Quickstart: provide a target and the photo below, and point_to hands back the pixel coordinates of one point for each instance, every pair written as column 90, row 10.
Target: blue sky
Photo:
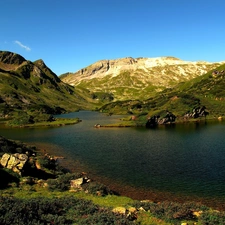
column 72, row 34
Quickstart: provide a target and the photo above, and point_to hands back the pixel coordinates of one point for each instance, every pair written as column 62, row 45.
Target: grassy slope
column 207, row 90
column 33, row 89
column 129, row 90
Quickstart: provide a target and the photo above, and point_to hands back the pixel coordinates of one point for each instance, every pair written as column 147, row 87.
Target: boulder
column 5, row 159
column 14, row 162
column 120, row 210
column 76, row 184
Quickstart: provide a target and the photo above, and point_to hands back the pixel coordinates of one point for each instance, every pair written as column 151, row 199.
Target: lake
column 180, row 162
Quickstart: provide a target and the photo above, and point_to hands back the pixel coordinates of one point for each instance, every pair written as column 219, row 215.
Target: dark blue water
column 180, row 160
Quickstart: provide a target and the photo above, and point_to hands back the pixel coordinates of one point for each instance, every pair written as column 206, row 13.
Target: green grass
column 58, row 122
column 160, row 213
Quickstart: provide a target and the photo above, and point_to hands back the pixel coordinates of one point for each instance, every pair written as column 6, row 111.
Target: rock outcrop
column 11, row 58
column 197, row 112
column 156, row 120
column 15, row 162
column 25, row 160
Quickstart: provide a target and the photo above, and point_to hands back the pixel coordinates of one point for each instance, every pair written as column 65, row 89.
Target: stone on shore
column 14, row 162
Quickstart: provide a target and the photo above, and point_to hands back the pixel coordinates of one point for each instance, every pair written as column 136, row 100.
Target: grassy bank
column 56, row 123
column 81, row 207
column 140, row 121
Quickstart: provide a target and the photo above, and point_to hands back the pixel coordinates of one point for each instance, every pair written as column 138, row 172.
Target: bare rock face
column 14, row 162
column 11, row 58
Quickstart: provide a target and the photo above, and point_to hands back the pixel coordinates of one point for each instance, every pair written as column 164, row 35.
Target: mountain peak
column 125, row 77
column 40, row 63
column 9, row 60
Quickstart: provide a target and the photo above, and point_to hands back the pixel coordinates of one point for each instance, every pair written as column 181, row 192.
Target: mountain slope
column 139, row 78
column 26, row 85
column 206, row 90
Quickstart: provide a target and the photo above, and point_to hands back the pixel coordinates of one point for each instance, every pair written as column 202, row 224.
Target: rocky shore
column 19, row 162
column 22, row 165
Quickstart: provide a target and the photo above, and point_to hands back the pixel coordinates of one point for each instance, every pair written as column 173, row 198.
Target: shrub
column 59, row 211
column 212, row 218
column 7, row 177
column 171, row 211
column 105, row 217
column 96, row 188
column 62, row 183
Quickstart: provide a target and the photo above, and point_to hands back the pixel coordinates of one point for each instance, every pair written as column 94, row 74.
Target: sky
column 72, row 34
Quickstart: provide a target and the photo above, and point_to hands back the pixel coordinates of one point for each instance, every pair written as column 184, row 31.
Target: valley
column 170, row 164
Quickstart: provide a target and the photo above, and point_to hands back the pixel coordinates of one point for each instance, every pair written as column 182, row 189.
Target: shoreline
column 125, row 124
column 57, row 123
column 123, row 189
column 130, row 191
column 140, row 193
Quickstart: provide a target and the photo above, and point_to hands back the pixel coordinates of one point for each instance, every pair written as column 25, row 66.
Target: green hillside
column 31, row 89
column 206, row 90
column 27, row 86
column 124, row 86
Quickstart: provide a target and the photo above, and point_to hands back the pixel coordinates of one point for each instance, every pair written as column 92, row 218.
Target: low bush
column 58, row 211
column 62, row 183
column 7, row 177
column 172, row 211
column 212, row 218
column 96, row 188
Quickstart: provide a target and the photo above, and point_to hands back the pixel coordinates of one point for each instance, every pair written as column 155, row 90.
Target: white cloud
column 22, row 46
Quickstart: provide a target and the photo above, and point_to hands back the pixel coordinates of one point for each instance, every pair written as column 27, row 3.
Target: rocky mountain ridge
column 26, row 85
column 135, row 75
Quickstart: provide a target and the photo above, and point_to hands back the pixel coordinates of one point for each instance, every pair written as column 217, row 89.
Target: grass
column 56, row 123
column 144, row 217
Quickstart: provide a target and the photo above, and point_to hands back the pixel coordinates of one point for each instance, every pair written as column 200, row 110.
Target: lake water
column 175, row 162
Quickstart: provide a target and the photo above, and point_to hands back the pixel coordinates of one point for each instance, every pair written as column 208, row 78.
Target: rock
column 196, row 113
column 76, row 184
column 197, row 213
column 14, row 162
column 27, row 180
column 22, row 159
column 132, row 209
column 120, row 210
column 5, row 159
column 11, row 58
column 38, row 165
column 155, row 120
column 147, row 200
column 142, row 209
column 132, row 213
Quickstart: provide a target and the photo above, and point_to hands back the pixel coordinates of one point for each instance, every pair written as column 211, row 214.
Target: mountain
column 136, row 78
column 134, row 86
column 32, row 86
column 206, row 90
